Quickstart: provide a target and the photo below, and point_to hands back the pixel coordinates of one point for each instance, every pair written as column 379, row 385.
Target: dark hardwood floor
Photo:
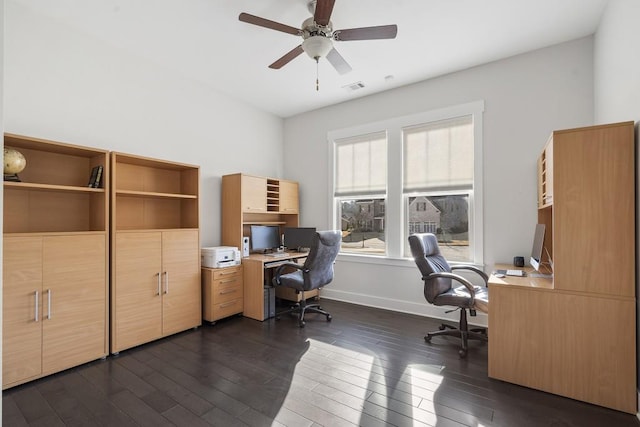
column 367, row 367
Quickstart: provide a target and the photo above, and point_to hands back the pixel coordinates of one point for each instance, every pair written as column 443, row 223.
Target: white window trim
column 394, row 209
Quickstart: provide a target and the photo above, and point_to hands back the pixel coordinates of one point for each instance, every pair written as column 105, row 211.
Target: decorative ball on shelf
column 14, row 163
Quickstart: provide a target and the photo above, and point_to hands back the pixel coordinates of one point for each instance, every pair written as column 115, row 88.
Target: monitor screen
column 299, row 238
column 264, row 238
column 538, row 244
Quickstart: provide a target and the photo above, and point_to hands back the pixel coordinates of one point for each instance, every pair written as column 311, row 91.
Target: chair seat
column 460, row 295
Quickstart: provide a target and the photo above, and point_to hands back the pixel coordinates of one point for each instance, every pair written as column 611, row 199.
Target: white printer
column 219, row 256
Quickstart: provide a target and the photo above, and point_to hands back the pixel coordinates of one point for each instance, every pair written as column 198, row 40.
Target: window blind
column 438, row 156
column 361, row 165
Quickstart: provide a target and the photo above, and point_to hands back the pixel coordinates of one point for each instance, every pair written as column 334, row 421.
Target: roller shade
column 361, row 165
column 438, row 156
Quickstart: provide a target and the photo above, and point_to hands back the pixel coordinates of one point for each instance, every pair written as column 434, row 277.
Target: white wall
column 617, row 83
column 63, row 85
column 526, row 97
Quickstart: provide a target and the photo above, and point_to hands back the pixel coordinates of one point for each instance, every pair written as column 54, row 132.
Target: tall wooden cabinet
column 55, row 258
column 155, row 267
column 575, row 334
column 254, row 200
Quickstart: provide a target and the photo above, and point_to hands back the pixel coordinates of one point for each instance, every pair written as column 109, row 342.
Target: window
column 438, row 182
column 360, row 192
column 413, row 174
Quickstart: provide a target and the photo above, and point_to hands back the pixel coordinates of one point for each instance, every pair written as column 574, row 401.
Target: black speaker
column 518, row 261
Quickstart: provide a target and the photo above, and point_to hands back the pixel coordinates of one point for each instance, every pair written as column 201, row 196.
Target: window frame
column 396, row 217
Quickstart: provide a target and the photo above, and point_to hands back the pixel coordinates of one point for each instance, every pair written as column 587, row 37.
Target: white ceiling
column 203, row 40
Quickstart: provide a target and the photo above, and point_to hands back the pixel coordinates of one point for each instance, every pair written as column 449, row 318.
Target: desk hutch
column 575, row 334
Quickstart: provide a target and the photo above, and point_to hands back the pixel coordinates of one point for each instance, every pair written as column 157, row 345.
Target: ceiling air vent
column 353, row 86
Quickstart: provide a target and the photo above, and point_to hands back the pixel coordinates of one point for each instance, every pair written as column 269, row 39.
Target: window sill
column 386, row 260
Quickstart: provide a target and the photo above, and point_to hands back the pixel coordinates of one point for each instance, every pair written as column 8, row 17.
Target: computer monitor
column 299, row 238
column 264, row 238
column 538, row 245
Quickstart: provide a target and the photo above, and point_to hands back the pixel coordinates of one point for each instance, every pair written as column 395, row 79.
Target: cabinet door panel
column 181, row 281
column 21, row 332
column 254, row 194
column 74, row 324
column 138, row 306
column 288, row 197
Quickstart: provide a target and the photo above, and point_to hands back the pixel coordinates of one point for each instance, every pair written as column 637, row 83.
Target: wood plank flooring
column 367, row 367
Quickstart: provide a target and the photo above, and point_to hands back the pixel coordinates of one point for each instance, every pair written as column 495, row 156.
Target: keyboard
column 518, row 273
column 277, row 254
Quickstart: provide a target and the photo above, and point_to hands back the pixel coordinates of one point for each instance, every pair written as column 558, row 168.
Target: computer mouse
column 499, row 275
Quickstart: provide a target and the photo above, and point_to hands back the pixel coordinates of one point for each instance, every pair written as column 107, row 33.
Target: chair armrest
column 467, row 284
column 281, row 267
column 476, row 270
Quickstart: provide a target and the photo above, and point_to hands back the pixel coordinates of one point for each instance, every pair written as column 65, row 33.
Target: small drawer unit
column 222, row 292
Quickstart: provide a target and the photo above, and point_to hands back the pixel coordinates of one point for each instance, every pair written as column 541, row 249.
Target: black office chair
column 439, row 288
column 316, row 272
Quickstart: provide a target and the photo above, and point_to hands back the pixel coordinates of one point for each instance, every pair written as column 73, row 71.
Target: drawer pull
column 37, row 306
column 227, row 304
column 228, row 281
column 228, row 291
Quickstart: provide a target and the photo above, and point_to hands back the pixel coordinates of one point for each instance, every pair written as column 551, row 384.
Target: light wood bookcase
column 575, row 334
column 155, row 261
column 55, row 254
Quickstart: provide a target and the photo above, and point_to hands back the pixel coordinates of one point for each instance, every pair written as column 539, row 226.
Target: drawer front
column 228, row 272
column 224, row 292
column 228, row 308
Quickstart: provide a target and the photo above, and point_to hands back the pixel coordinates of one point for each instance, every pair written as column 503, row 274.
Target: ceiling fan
column 318, row 35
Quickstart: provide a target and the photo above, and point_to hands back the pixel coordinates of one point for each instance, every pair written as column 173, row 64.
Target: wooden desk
column 254, row 267
column 575, row 344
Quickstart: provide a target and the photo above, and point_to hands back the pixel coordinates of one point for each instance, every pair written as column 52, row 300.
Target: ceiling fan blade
column 366, row 33
column 323, row 12
column 262, row 22
column 293, row 53
column 338, row 62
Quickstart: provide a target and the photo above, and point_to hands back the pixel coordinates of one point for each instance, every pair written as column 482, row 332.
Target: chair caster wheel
column 441, row 327
column 462, row 353
column 328, row 318
column 427, row 338
column 301, row 324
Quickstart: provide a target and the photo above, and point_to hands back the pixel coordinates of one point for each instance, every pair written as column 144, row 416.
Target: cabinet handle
column 228, row 281
column 49, row 304
column 159, row 283
column 37, row 305
column 227, row 304
column 228, row 291
column 166, row 282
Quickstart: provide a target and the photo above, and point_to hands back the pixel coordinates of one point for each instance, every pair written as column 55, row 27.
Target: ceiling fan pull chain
column 317, row 77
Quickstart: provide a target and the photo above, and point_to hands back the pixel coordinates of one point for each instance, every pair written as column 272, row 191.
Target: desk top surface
column 526, row 281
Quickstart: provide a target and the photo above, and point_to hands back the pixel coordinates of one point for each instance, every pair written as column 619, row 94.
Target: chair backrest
column 318, row 266
column 427, row 256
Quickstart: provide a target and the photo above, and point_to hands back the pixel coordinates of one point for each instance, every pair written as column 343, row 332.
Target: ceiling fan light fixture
column 317, row 46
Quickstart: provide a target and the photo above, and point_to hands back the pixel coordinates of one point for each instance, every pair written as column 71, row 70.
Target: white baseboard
column 420, row 308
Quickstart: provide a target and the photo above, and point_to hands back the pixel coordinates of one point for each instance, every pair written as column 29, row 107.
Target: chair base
column 302, row 308
column 463, row 332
